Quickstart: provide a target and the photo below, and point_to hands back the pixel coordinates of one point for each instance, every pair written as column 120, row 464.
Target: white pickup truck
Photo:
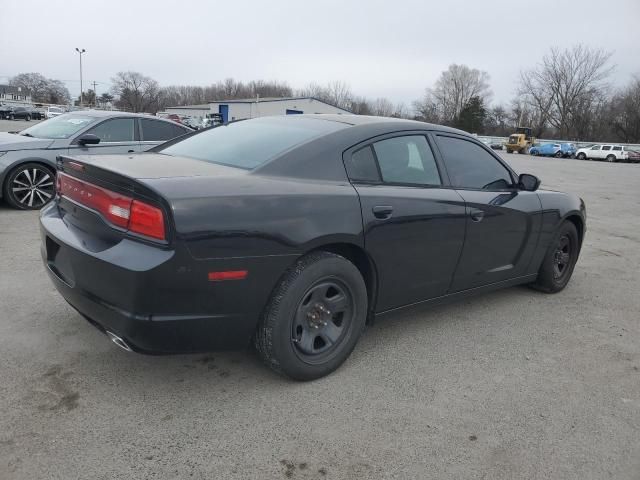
column 610, row 153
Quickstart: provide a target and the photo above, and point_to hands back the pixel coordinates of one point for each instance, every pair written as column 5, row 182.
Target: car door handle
column 382, row 211
column 130, row 151
column 476, row 215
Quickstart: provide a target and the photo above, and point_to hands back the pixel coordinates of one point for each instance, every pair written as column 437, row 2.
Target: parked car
column 5, row 112
column 53, row 112
column 495, row 145
column 296, row 231
column 24, row 113
column 633, row 156
column 558, row 150
column 28, row 159
column 610, row 153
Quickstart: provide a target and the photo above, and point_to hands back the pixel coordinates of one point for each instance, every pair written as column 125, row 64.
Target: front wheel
column 29, row 186
column 559, row 155
column 581, row 156
column 28, row 118
column 562, row 255
column 314, row 317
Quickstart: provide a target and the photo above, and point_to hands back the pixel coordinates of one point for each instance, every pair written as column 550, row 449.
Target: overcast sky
column 390, row 48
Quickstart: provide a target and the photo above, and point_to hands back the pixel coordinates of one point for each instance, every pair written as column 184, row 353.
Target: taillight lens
column 120, row 210
column 146, row 220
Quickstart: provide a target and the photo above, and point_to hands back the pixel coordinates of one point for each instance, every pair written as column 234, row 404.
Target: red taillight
column 228, row 275
column 146, row 220
column 120, row 210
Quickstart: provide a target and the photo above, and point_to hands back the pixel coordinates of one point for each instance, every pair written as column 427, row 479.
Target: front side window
column 471, row 166
column 595, row 147
column 159, row 131
column 407, row 160
column 116, row 130
column 607, row 147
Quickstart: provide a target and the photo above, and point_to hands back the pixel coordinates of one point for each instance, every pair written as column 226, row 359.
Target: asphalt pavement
column 513, row 384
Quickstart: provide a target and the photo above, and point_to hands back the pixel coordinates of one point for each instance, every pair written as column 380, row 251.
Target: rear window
column 250, row 143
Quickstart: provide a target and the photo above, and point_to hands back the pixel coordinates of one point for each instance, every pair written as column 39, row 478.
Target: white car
column 610, row 153
column 53, row 112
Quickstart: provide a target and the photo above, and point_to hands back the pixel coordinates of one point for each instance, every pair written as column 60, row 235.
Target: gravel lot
column 514, row 384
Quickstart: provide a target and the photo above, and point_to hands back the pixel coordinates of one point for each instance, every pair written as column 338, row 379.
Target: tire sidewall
column 546, row 278
column 288, row 297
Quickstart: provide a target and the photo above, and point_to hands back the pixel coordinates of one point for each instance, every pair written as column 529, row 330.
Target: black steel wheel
column 323, row 316
column 29, row 186
column 560, row 260
column 314, row 318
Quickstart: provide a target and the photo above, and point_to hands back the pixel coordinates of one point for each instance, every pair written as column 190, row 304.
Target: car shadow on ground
column 244, row 369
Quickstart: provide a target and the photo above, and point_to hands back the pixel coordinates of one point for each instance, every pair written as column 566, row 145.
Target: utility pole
column 80, row 52
column 95, row 94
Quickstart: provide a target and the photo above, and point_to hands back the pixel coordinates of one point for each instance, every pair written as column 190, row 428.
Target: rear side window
column 606, row 147
column 159, row 131
column 116, row 130
column 250, row 143
column 617, row 148
column 407, row 160
column 471, row 166
column 362, row 166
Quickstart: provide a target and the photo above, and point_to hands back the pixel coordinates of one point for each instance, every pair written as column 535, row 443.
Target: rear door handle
column 382, row 211
column 476, row 215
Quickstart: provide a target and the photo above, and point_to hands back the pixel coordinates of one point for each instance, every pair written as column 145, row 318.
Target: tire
column 611, row 158
column 559, row 155
column 28, row 118
column 298, row 335
column 581, row 156
column 18, row 191
column 564, row 250
column 12, row 117
column 534, row 153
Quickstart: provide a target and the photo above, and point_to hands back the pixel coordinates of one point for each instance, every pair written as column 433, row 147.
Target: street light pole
column 80, row 52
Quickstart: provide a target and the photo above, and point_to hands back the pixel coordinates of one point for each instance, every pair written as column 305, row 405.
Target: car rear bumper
column 158, row 301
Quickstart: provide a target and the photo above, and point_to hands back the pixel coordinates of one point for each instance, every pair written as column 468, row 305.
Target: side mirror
column 88, row 139
column 527, row 182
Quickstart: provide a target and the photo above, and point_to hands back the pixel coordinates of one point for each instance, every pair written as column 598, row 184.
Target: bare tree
column 42, row 89
column 565, row 85
column 624, row 113
column 136, row 92
column 453, row 90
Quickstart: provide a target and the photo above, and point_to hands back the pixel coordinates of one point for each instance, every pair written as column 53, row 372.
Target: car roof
column 399, row 123
column 112, row 113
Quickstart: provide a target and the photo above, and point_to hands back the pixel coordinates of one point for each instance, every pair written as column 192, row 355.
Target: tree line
column 567, row 95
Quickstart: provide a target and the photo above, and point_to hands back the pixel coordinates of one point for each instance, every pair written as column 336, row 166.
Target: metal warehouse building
column 258, row 107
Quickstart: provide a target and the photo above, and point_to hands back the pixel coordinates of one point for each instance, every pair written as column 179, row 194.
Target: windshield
column 62, row 126
column 250, row 143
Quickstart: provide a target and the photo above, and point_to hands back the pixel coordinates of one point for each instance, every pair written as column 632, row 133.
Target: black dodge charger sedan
column 294, row 232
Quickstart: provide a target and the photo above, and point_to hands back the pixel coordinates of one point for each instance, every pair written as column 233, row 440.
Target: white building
column 11, row 95
column 258, row 107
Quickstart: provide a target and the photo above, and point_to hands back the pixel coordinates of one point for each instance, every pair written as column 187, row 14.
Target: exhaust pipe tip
column 119, row 341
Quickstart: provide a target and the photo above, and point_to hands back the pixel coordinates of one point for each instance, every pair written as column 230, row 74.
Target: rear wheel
column 611, row 158
column 28, row 118
column 314, row 317
column 29, row 186
column 562, row 255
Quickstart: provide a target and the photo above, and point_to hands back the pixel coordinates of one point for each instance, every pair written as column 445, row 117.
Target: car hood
column 11, row 141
